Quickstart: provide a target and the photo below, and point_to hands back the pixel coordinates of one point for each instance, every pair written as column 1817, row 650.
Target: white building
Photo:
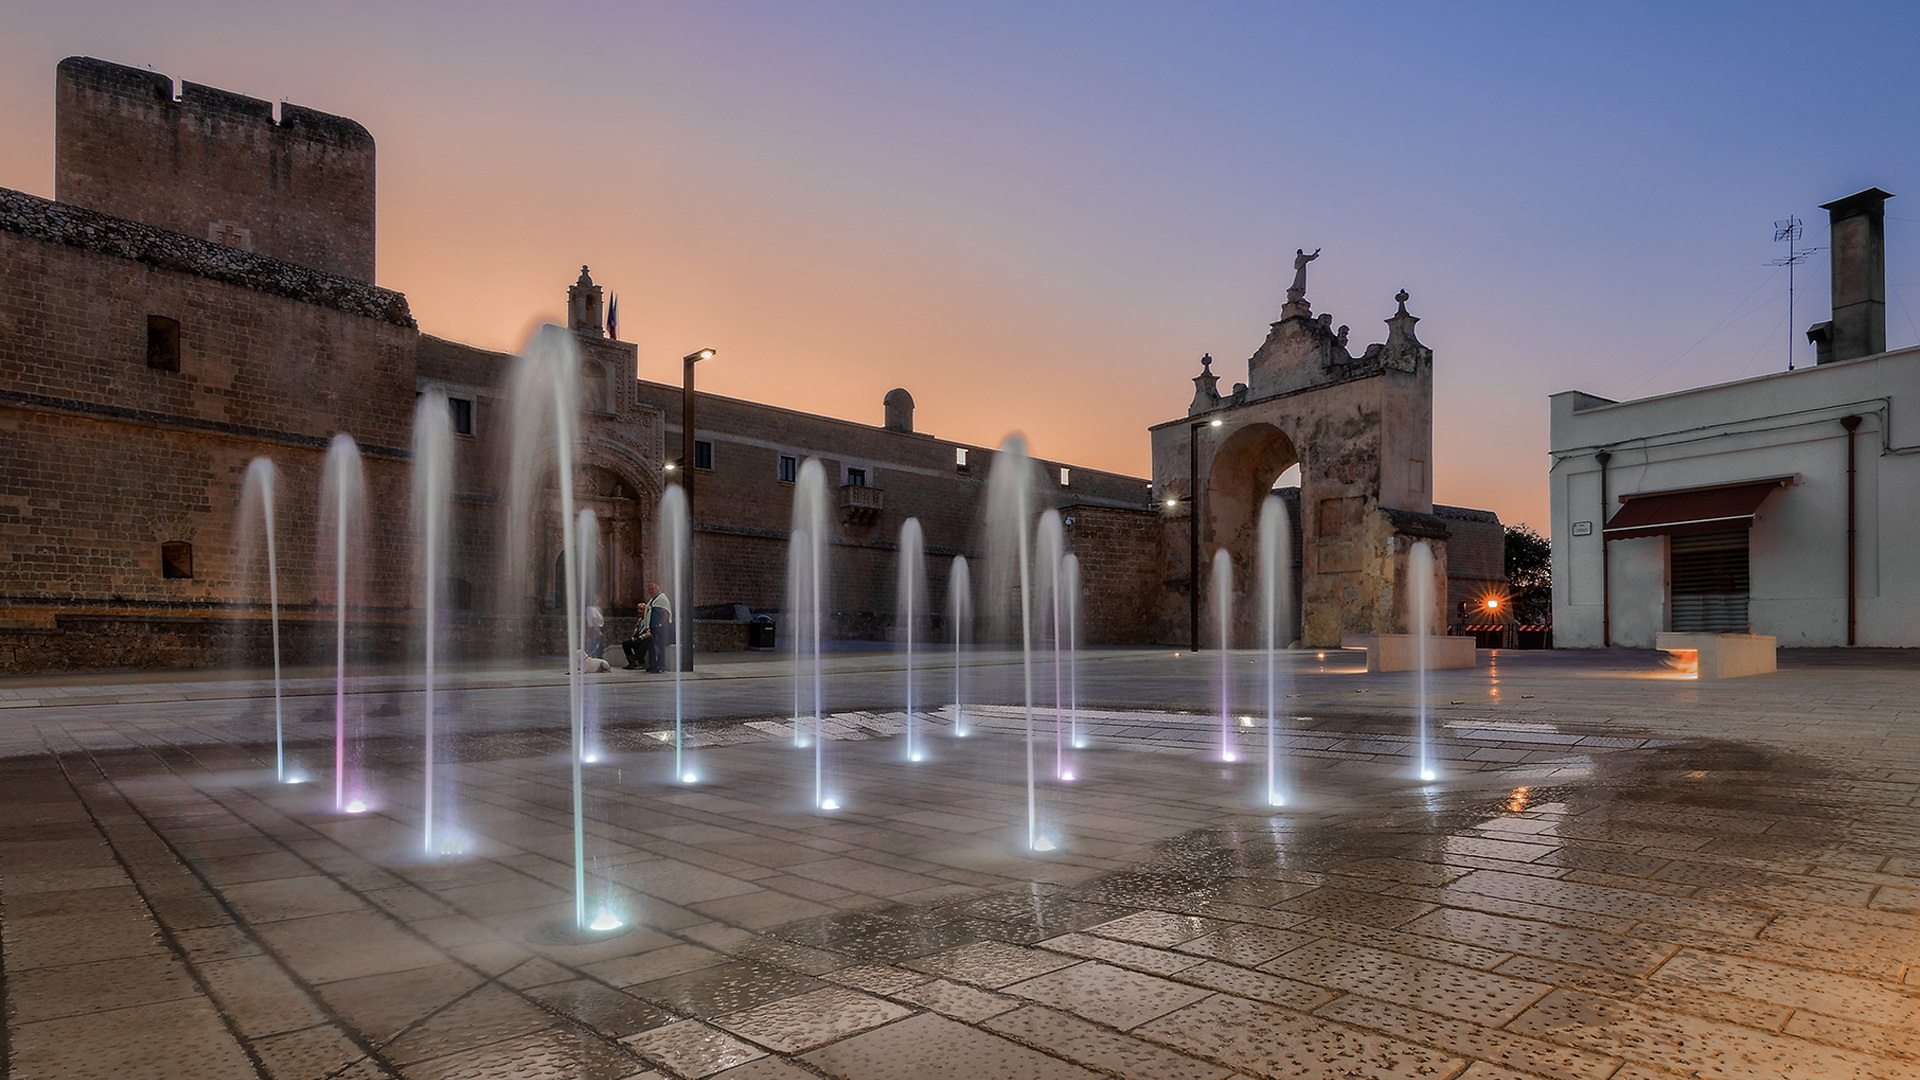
column 1788, row 503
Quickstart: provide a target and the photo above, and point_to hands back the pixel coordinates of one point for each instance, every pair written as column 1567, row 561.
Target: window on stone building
column 960, row 458
column 702, row 454
column 176, row 559
column 789, row 468
column 1066, row 476
column 856, row 478
column 462, row 410
column 163, row 343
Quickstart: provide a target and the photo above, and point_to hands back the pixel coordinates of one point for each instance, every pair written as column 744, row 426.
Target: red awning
column 1693, row 511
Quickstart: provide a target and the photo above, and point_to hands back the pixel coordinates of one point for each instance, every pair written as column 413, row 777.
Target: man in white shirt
column 654, row 633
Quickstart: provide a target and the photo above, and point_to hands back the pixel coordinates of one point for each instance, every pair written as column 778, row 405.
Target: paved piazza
column 1618, row 873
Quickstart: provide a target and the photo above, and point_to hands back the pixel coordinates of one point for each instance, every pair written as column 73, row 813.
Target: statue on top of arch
column 1297, row 292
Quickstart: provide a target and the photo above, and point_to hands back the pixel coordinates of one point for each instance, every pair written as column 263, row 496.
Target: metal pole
column 683, row 605
column 1852, row 424
column 1193, row 536
column 1606, row 571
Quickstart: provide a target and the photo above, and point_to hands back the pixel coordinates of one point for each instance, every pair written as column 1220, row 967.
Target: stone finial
column 1403, row 348
column 1206, row 392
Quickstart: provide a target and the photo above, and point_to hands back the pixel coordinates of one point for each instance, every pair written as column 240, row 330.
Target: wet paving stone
column 725, row 988
column 608, row 1011
column 795, row 1024
column 1462, row 993
column 691, row 1048
column 990, row 964
column 930, row 1047
column 1081, row 1041
column 1269, row 1041
column 1112, row 996
column 1627, row 893
column 1677, row 1041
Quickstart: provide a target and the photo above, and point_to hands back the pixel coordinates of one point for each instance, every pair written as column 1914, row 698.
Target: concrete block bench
column 1401, row 652
column 1721, row 656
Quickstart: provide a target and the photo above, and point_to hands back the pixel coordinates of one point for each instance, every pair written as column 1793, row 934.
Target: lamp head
column 702, row 354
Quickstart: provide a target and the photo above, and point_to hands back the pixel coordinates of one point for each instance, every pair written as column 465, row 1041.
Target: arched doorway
column 616, row 504
column 1250, row 465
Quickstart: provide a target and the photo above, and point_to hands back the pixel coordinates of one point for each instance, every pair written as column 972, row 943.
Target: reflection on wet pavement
column 1636, row 897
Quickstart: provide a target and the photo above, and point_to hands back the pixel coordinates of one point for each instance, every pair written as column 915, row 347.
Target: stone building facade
column 200, row 294
column 1360, row 431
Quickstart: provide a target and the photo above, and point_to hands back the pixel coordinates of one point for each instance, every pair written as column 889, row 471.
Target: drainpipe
column 1852, row 424
column 1606, row 571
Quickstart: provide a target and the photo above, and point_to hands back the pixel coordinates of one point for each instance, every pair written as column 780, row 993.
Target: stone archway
column 1241, row 477
column 623, row 515
column 1361, row 427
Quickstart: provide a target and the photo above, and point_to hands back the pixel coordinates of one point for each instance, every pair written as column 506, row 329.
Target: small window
column 462, row 410
column 163, row 344
column 789, row 468
column 856, row 478
column 1066, row 477
column 960, row 459
column 176, row 559
column 702, row 454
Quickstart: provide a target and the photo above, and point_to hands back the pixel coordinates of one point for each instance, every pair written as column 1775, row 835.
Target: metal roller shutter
column 1709, row 582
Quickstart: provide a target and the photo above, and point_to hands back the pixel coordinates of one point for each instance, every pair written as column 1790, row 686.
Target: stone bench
column 1720, row 656
column 1400, row 652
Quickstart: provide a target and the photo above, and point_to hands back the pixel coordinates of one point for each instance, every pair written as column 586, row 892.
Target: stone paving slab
column 1648, row 878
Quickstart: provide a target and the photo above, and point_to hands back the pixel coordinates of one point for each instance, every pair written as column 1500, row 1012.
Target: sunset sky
column 1037, row 215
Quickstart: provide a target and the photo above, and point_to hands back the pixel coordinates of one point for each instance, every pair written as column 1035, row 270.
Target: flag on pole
column 613, row 317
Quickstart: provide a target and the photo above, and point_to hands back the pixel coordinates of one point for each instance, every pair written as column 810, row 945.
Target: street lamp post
column 683, row 633
column 1193, row 529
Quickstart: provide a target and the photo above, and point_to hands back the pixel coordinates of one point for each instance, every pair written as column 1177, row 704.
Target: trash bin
column 760, row 632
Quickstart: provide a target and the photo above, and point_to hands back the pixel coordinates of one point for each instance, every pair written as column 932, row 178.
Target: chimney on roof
column 899, row 405
column 1858, row 243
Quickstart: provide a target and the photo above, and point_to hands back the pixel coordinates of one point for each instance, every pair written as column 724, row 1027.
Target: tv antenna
column 1789, row 232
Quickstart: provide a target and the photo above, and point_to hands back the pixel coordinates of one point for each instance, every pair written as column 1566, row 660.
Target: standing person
column 655, row 632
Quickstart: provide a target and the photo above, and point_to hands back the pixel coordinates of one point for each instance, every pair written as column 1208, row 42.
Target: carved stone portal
column 1361, row 430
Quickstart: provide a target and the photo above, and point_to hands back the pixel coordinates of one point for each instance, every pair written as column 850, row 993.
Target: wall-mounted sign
column 1583, row 528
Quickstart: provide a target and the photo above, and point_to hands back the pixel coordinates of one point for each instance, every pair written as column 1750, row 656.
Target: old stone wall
column 108, row 457
column 743, row 509
column 1476, row 561
column 1120, row 567
column 215, row 165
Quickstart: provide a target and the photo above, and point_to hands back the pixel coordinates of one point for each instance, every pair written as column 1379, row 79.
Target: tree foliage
column 1529, row 561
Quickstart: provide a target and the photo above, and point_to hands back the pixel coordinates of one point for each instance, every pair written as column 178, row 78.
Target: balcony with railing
column 860, row 505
